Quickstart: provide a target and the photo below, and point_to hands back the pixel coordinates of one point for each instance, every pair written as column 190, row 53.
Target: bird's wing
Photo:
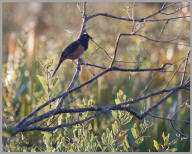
column 67, row 51
column 70, row 49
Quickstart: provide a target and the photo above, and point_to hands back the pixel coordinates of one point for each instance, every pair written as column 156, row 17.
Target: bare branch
column 85, row 19
column 183, row 135
column 137, row 20
column 177, row 10
column 174, row 73
column 65, row 94
column 76, row 75
column 150, row 39
column 185, row 67
column 78, row 6
column 115, row 52
column 24, row 126
column 27, row 123
column 170, row 119
column 102, row 49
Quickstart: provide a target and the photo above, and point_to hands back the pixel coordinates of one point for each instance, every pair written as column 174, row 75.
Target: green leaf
column 171, row 150
column 140, row 140
column 120, row 115
column 33, row 150
column 108, row 133
column 117, row 101
column 134, row 133
column 115, row 127
column 124, row 97
column 42, row 80
column 92, row 138
column 103, row 138
column 121, row 96
column 64, row 143
column 60, row 119
column 47, row 139
column 114, row 114
column 128, row 119
column 90, row 102
column 156, row 145
column 126, row 144
column 165, row 139
column 120, row 93
column 47, row 135
column 54, row 81
column 163, row 135
column 71, row 150
column 56, row 138
column 49, row 62
column 90, row 127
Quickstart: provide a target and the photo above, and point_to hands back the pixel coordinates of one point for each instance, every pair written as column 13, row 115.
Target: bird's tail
column 56, row 69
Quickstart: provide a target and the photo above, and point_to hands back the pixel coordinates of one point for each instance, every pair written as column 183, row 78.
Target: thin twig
column 115, row 52
column 177, row 10
column 133, row 18
column 172, row 76
column 46, row 115
column 183, row 135
column 130, row 34
column 170, row 119
column 76, row 75
column 99, row 109
column 162, row 30
column 85, row 19
column 101, row 48
column 137, row 20
column 185, row 67
column 88, row 82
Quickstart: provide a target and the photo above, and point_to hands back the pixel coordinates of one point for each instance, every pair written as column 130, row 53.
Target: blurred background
column 34, row 35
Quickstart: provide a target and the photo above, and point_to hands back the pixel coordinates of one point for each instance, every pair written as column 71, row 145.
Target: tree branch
column 24, row 126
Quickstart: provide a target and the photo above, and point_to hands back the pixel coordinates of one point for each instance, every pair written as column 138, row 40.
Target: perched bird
column 74, row 50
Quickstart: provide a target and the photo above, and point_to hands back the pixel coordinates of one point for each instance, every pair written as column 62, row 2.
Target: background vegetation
column 34, row 35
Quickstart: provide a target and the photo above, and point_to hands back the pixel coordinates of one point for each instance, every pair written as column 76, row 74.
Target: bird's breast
column 77, row 53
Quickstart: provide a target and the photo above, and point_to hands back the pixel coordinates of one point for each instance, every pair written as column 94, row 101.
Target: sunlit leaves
column 43, row 81
column 134, row 133
column 165, row 139
column 156, row 145
column 47, row 139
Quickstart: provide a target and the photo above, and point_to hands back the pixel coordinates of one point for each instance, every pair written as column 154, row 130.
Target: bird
column 74, row 50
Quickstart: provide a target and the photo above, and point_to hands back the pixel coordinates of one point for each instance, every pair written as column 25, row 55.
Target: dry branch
column 28, row 120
